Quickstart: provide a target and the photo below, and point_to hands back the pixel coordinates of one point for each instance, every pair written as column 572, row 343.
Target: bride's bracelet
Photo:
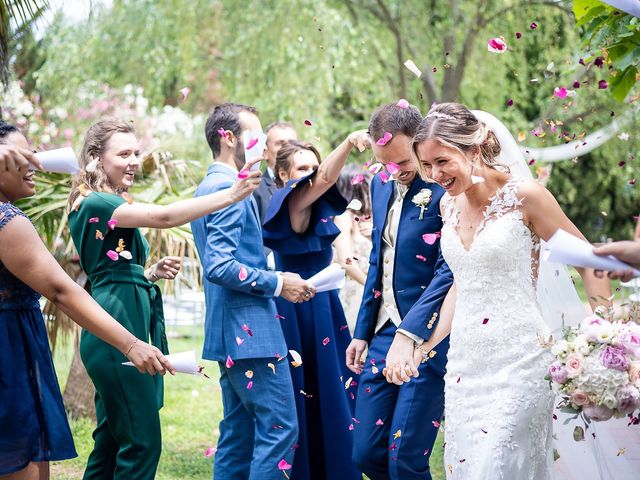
column 130, row 347
column 426, row 354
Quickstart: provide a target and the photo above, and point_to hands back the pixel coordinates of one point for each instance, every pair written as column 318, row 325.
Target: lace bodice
column 14, row 294
column 498, row 405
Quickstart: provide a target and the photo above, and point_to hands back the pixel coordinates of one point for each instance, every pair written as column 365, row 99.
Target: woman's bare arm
column 344, row 252
column 26, row 257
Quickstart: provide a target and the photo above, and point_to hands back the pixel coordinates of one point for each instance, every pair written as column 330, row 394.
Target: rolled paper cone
column 183, row 362
column 60, row 160
column 330, row 278
column 568, row 249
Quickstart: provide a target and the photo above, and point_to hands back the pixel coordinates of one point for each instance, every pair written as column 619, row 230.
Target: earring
column 92, row 165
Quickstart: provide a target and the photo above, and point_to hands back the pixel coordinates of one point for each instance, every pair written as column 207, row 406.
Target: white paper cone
column 257, row 150
column 60, row 160
column 565, row 248
column 183, row 362
column 330, row 278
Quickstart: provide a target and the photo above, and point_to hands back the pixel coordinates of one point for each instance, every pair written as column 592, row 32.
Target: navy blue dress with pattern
column 317, row 329
column 33, row 423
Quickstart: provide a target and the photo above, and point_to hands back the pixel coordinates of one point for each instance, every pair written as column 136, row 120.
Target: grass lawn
column 190, row 417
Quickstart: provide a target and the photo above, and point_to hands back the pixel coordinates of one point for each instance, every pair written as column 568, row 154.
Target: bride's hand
column 400, row 363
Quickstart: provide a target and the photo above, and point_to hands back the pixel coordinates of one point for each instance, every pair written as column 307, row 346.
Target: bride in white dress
column 498, row 407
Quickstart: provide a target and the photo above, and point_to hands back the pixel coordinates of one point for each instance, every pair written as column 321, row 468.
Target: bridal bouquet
column 597, row 368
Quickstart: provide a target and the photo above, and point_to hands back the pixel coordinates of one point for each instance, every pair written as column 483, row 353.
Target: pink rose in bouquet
column 628, row 398
column 599, row 413
column 629, row 339
column 574, row 364
column 579, row 398
column 558, row 372
column 615, row 359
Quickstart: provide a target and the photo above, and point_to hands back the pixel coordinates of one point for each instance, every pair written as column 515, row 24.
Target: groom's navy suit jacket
column 419, row 286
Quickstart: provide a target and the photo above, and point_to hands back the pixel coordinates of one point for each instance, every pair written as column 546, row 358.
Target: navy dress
column 33, row 423
column 317, row 329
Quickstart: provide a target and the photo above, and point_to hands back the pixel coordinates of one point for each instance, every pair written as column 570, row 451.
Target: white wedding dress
column 498, row 406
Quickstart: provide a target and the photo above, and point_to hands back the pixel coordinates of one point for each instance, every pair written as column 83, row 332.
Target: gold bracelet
column 130, row 347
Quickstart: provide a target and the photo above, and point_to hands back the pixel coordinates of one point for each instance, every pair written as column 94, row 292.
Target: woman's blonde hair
column 454, row 126
column 95, row 141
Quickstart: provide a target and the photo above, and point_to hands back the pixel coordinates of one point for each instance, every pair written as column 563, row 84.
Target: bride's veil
column 598, row 456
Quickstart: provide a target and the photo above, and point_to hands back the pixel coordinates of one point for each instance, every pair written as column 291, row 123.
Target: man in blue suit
column 242, row 331
column 396, row 426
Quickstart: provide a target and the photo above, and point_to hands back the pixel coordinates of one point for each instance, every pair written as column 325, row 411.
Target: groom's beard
column 239, row 155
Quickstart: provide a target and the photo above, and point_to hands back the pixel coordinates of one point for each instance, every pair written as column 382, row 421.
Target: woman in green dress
column 104, row 225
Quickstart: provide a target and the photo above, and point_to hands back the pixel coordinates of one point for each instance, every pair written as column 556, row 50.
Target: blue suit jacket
column 228, row 240
column 419, row 286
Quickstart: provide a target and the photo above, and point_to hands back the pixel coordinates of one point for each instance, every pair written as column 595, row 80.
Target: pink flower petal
column 308, row 123
column 242, row 275
column 279, row 317
column 392, row 168
column 436, row 423
column 185, row 92
column 113, row 255
column 485, row 321
column 497, row 45
column 252, row 143
column 602, row 84
column 421, row 257
column 402, row 103
column 229, row 363
column 222, row 132
column 239, row 341
column 384, row 177
column 325, row 341
column 210, row 451
column 533, row 25
column 112, row 223
column 357, row 178
column 351, row 427
column 248, row 330
column 94, row 220
column 560, row 92
column 431, row 238
column 283, row 465
column 249, row 385
column 375, row 168
column 242, row 174
column 379, row 422
column 384, row 139
column 376, row 293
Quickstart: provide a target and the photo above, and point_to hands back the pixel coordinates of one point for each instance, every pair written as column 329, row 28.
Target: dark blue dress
column 33, row 423
column 316, row 329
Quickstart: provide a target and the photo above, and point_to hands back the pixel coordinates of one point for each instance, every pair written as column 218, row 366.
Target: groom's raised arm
column 417, row 320
column 224, row 230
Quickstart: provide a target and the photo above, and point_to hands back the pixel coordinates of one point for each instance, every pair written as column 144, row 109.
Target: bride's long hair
column 454, row 126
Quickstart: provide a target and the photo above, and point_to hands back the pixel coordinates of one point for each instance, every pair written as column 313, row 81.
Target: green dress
column 127, row 436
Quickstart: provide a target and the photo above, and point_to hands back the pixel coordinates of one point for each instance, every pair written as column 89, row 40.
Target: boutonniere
column 422, row 199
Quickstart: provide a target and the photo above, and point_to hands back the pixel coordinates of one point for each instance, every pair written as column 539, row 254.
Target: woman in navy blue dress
column 299, row 229
column 33, row 422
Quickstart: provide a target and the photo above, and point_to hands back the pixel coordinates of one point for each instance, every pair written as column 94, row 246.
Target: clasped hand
column 166, row 268
column 402, row 360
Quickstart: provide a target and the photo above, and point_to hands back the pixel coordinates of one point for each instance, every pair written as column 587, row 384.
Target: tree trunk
column 79, row 391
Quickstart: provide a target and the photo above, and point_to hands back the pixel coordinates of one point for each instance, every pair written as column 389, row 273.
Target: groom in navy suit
column 242, row 329
column 396, row 426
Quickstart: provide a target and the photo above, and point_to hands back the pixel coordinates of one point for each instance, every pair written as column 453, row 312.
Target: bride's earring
column 92, row 165
column 475, row 179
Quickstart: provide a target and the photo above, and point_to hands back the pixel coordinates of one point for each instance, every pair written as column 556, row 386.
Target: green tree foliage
column 615, row 35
